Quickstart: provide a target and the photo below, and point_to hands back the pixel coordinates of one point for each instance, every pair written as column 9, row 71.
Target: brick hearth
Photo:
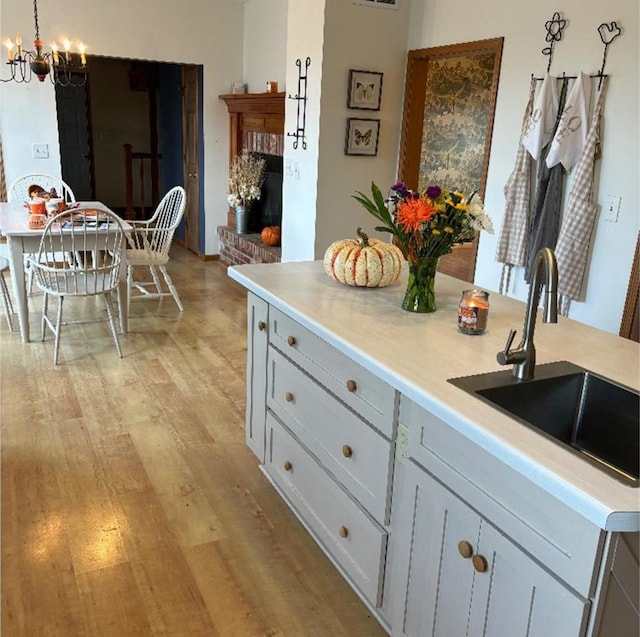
column 244, row 248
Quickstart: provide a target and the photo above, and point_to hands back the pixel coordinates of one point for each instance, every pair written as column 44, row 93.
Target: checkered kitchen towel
column 578, row 218
column 517, row 193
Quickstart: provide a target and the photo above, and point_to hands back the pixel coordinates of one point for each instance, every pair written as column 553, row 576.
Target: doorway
column 74, row 132
column 449, row 104
column 139, row 103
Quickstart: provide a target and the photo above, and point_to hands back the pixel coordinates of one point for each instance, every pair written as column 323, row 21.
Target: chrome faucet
column 523, row 357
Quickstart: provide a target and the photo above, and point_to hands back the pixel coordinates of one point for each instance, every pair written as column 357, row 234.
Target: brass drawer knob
column 479, row 563
column 352, row 385
column 287, row 465
column 347, row 451
column 292, row 340
column 262, row 326
column 465, row 549
column 343, row 531
column 289, row 397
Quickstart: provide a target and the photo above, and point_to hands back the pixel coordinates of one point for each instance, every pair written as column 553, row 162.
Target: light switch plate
column 612, row 208
column 40, row 151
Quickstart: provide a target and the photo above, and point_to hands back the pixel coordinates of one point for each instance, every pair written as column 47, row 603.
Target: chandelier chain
column 35, row 18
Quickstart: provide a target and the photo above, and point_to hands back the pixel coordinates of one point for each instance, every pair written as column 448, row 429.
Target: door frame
column 200, row 225
column 462, row 261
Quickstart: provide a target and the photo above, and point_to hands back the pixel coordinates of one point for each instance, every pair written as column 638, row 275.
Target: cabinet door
column 516, row 596
column 464, row 578
column 257, row 345
column 439, row 579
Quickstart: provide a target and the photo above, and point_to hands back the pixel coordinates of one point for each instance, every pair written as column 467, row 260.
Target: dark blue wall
column 170, row 129
column 171, row 139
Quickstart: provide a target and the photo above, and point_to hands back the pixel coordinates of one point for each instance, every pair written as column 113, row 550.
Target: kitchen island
column 419, row 492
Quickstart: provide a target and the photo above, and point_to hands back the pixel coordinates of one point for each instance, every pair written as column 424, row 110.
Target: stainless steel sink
column 588, row 414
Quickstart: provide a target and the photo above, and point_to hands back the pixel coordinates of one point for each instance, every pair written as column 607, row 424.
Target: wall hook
column 608, row 33
column 555, row 28
column 301, row 98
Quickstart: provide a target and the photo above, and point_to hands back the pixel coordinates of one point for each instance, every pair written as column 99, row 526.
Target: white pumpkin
column 363, row 262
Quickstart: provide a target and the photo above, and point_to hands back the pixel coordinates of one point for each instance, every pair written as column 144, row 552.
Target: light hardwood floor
column 130, row 503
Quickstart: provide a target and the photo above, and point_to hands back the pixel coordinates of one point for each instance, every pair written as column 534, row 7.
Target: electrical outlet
column 296, row 170
column 40, row 151
column 288, row 167
column 612, row 208
column 402, row 443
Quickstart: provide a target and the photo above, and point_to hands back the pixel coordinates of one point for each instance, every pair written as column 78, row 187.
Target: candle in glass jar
column 473, row 312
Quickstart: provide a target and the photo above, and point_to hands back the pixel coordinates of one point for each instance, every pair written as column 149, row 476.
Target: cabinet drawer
column 552, row 532
column 355, row 453
column 352, row 539
column 364, row 392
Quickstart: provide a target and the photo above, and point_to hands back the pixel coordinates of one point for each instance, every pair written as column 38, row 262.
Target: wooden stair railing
column 153, row 160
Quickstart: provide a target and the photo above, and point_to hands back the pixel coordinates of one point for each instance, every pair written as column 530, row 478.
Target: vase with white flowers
column 245, row 182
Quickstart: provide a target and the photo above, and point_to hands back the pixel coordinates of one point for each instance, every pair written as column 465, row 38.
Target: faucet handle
column 509, row 343
column 503, row 356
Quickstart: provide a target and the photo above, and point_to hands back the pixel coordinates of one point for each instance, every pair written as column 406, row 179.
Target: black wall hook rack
column 608, row 32
column 555, row 30
column 301, row 98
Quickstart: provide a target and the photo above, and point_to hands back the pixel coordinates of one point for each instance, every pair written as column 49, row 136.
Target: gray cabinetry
column 463, row 577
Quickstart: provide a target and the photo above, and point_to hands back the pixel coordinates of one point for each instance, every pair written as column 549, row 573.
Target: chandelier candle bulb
column 83, row 58
column 473, row 312
column 19, row 44
column 54, row 50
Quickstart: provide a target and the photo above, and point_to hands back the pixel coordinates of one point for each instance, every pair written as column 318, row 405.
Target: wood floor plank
column 111, row 603
column 131, row 505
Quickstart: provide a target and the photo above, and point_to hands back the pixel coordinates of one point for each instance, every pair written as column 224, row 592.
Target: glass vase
column 420, row 295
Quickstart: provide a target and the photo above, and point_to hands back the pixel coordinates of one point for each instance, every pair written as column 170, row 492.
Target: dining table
column 23, row 240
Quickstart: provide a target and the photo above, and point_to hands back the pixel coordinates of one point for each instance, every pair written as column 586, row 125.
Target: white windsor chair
column 18, row 190
column 149, row 245
column 19, row 193
column 82, row 232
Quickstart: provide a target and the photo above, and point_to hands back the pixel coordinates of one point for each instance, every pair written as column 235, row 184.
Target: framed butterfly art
column 362, row 136
column 365, row 90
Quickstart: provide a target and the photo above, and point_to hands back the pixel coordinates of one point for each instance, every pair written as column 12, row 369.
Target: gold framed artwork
column 449, row 106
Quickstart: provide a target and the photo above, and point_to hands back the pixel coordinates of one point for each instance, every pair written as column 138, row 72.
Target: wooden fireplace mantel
column 256, row 112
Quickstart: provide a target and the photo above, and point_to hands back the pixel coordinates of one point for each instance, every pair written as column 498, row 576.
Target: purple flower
column 401, row 190
column 433, row 192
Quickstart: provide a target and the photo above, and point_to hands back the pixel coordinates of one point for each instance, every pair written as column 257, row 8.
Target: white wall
column 305, row 38
column 194, row 32
column 318, row 207
column 522, row 25
column 361, row 38
column 265, row 43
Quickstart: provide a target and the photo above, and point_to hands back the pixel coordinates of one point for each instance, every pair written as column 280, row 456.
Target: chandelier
column 60, row 66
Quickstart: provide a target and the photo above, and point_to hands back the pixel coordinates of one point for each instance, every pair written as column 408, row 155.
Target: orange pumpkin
column 271, row 235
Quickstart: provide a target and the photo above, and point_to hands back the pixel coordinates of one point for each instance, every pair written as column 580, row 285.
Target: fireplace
column 256, row 122
column 267, row 211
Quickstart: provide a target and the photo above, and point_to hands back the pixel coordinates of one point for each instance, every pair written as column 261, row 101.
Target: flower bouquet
column 426, row 225
column 245, row 182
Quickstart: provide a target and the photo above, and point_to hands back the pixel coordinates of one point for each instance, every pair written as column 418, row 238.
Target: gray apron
column 547, row 205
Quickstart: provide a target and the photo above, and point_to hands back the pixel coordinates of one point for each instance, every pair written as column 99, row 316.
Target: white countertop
column 417, row 353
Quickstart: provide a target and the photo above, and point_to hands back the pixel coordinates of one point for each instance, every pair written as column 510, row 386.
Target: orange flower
column 411, row 213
